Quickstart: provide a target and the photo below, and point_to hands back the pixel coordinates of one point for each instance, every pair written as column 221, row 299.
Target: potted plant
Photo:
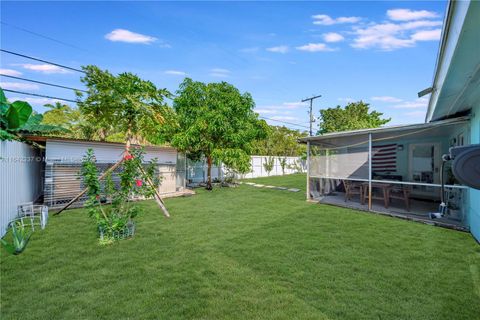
column 116, row 221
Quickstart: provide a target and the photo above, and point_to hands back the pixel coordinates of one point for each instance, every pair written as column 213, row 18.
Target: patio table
column 384, row 187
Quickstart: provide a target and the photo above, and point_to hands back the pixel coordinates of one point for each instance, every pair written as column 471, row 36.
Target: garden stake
column 157, row 197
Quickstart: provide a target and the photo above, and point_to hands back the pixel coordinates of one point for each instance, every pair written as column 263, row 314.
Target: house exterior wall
column 474, row 195
column 21, row 178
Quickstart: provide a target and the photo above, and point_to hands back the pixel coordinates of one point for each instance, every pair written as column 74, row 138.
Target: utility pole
column 311, row 114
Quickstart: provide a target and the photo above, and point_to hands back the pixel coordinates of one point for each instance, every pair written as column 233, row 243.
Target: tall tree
column 355, row 115
column 280, row 141
column 123, row 103
column 61, row 114
column 216, row 121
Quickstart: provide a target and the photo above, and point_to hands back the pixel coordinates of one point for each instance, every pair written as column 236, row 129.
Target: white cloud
column 10, row 72
column 407, row 14
column 285, row 106
column 35, row 101
column 315, row 47
column 19, row 86
column 415, row 104
column 284, row 109
column 175, row 72
column 294, row 105
column 278, row 49
column 122, row 35
column 287, row 118
column 325, row 20
column 390, row 36
column 45, row 68
column 219, row 73
column 333, row 37
column 266, row 111
column 428, row 35
column 386, row 99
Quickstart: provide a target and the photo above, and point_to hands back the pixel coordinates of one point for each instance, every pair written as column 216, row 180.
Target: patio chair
column 352, row 188
column 33, row 213
column 401, row 193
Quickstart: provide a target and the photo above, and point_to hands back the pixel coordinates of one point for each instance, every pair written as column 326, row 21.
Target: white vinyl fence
column 197, row 171
column 20, row 178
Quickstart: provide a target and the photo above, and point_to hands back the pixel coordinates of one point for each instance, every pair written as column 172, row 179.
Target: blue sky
column 280, row 52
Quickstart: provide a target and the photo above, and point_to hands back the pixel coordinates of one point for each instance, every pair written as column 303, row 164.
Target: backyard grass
column 245, row 253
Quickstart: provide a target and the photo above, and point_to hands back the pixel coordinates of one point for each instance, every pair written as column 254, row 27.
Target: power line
column 39, row 95
column 41, row 35
column 41, row 82
column 40, row 60
column 290, row 123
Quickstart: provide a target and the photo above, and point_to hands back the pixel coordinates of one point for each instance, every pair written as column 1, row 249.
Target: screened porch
column 393, row 171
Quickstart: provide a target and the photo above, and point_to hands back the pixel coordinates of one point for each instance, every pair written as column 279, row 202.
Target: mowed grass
column 245, row 253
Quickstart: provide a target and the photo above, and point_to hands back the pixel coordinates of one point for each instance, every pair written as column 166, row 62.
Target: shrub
column 113, row 219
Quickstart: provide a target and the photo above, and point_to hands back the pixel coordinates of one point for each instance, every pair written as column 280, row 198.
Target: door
column 424, row 168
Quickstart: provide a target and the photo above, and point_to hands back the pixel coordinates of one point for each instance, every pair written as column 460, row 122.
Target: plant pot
column 127, row 232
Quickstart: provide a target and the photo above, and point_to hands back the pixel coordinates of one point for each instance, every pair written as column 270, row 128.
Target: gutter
column 440, row 55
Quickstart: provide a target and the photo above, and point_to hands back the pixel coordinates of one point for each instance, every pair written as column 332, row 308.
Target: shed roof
column 79, row 141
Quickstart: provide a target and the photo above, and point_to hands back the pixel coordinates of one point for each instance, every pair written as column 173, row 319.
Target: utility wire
column 41, row 35
column 41, row 82
column 40, row 60
column 39, row 95
column 290, row 123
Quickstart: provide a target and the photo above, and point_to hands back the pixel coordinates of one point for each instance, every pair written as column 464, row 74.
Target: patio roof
column 437, row 128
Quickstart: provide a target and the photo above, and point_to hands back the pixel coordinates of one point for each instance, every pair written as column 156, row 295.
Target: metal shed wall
column 20, row 178
column 73, row 151
column 63, row 164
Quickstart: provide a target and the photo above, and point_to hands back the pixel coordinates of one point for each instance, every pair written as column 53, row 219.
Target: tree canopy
column 355, row 115
column 123, row 104
column 280, row 141
column 216, row 121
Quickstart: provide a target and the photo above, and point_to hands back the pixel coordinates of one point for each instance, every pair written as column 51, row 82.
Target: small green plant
column 283, row 164
column 268, row 164
column 20, row 238
column 113, row 220
column 297, row 166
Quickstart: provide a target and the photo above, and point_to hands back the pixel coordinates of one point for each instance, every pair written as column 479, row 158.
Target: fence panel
column 20, row 178
column 197, row 171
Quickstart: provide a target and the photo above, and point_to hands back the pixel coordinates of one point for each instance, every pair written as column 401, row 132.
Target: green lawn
column 245, row 253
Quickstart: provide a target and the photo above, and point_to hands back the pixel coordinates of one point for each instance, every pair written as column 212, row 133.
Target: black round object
column 466, row 167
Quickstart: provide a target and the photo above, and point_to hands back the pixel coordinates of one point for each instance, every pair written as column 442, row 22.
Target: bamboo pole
column 157, row 197
column 86, row 189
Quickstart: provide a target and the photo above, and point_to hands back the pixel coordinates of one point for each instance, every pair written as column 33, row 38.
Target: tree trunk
column 209, row 173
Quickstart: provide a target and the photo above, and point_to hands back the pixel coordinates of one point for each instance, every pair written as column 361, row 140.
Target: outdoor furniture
column 401, row 193
column 352, row 188
column 384, row 194
column 32, row 213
